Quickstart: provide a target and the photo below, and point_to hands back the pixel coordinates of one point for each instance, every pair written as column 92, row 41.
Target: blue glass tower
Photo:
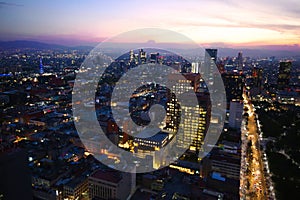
column 41, row 66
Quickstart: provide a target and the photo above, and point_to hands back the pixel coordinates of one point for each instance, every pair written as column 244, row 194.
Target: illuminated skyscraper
column 41, row 66
column 196, row 116
column 284, row 75
column 195, row 67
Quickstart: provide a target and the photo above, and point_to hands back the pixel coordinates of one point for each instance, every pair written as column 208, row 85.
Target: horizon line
column 91, row 43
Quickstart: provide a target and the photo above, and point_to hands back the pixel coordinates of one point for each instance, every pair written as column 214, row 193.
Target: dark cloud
column 2, row 4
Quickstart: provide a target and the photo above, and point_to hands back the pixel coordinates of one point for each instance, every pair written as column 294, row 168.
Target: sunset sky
column 227, row 22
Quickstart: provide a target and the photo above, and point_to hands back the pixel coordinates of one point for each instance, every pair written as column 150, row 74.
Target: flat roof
column 159, row 137
column 110, row 176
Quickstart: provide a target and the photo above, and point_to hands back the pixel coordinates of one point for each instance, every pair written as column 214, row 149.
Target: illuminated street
column 253, row 180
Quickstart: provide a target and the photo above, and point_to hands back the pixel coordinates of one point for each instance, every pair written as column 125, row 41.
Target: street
column 253, row 180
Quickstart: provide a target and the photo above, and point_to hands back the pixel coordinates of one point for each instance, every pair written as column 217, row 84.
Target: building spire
column 41, row 66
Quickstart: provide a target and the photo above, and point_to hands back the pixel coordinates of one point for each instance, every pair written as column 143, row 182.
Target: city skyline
column 228, row 23
column 38, row 118
column 152, row 100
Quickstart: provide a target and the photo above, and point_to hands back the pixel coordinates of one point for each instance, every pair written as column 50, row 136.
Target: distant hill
column 260, row 51
column 23, row 44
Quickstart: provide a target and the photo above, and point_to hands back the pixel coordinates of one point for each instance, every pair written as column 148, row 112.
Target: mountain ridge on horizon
column 260, row 51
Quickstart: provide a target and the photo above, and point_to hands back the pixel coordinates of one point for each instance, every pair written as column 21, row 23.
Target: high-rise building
column 257, row 76
column 142, row 56
column 180, row 85
column 154, row 57
column 210, row 60
column 284, row 75
column 131, row 56
column 240, row 61
column 195, row 67
column 235, row 114
column 196, row 116
column 148, row 148
column 233, row 83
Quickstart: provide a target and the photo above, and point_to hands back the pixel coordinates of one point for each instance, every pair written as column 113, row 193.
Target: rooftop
column 110, row 176
column 159, row 137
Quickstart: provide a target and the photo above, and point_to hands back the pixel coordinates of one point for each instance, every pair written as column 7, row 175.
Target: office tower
column 257, row 81
column 180, row 82
column 195, row 67
column 131, row 58
column 235, row 114
column 240, row 61
column 284, row 75
column 148, row 148
column 41, row 66
column 142, row 56
column 196, row 119
column 154, row 57
column 257, row 76
column 210, row 60
column 233, row 83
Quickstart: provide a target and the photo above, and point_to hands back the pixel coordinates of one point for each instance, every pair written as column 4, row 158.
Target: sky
column 207, row 22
